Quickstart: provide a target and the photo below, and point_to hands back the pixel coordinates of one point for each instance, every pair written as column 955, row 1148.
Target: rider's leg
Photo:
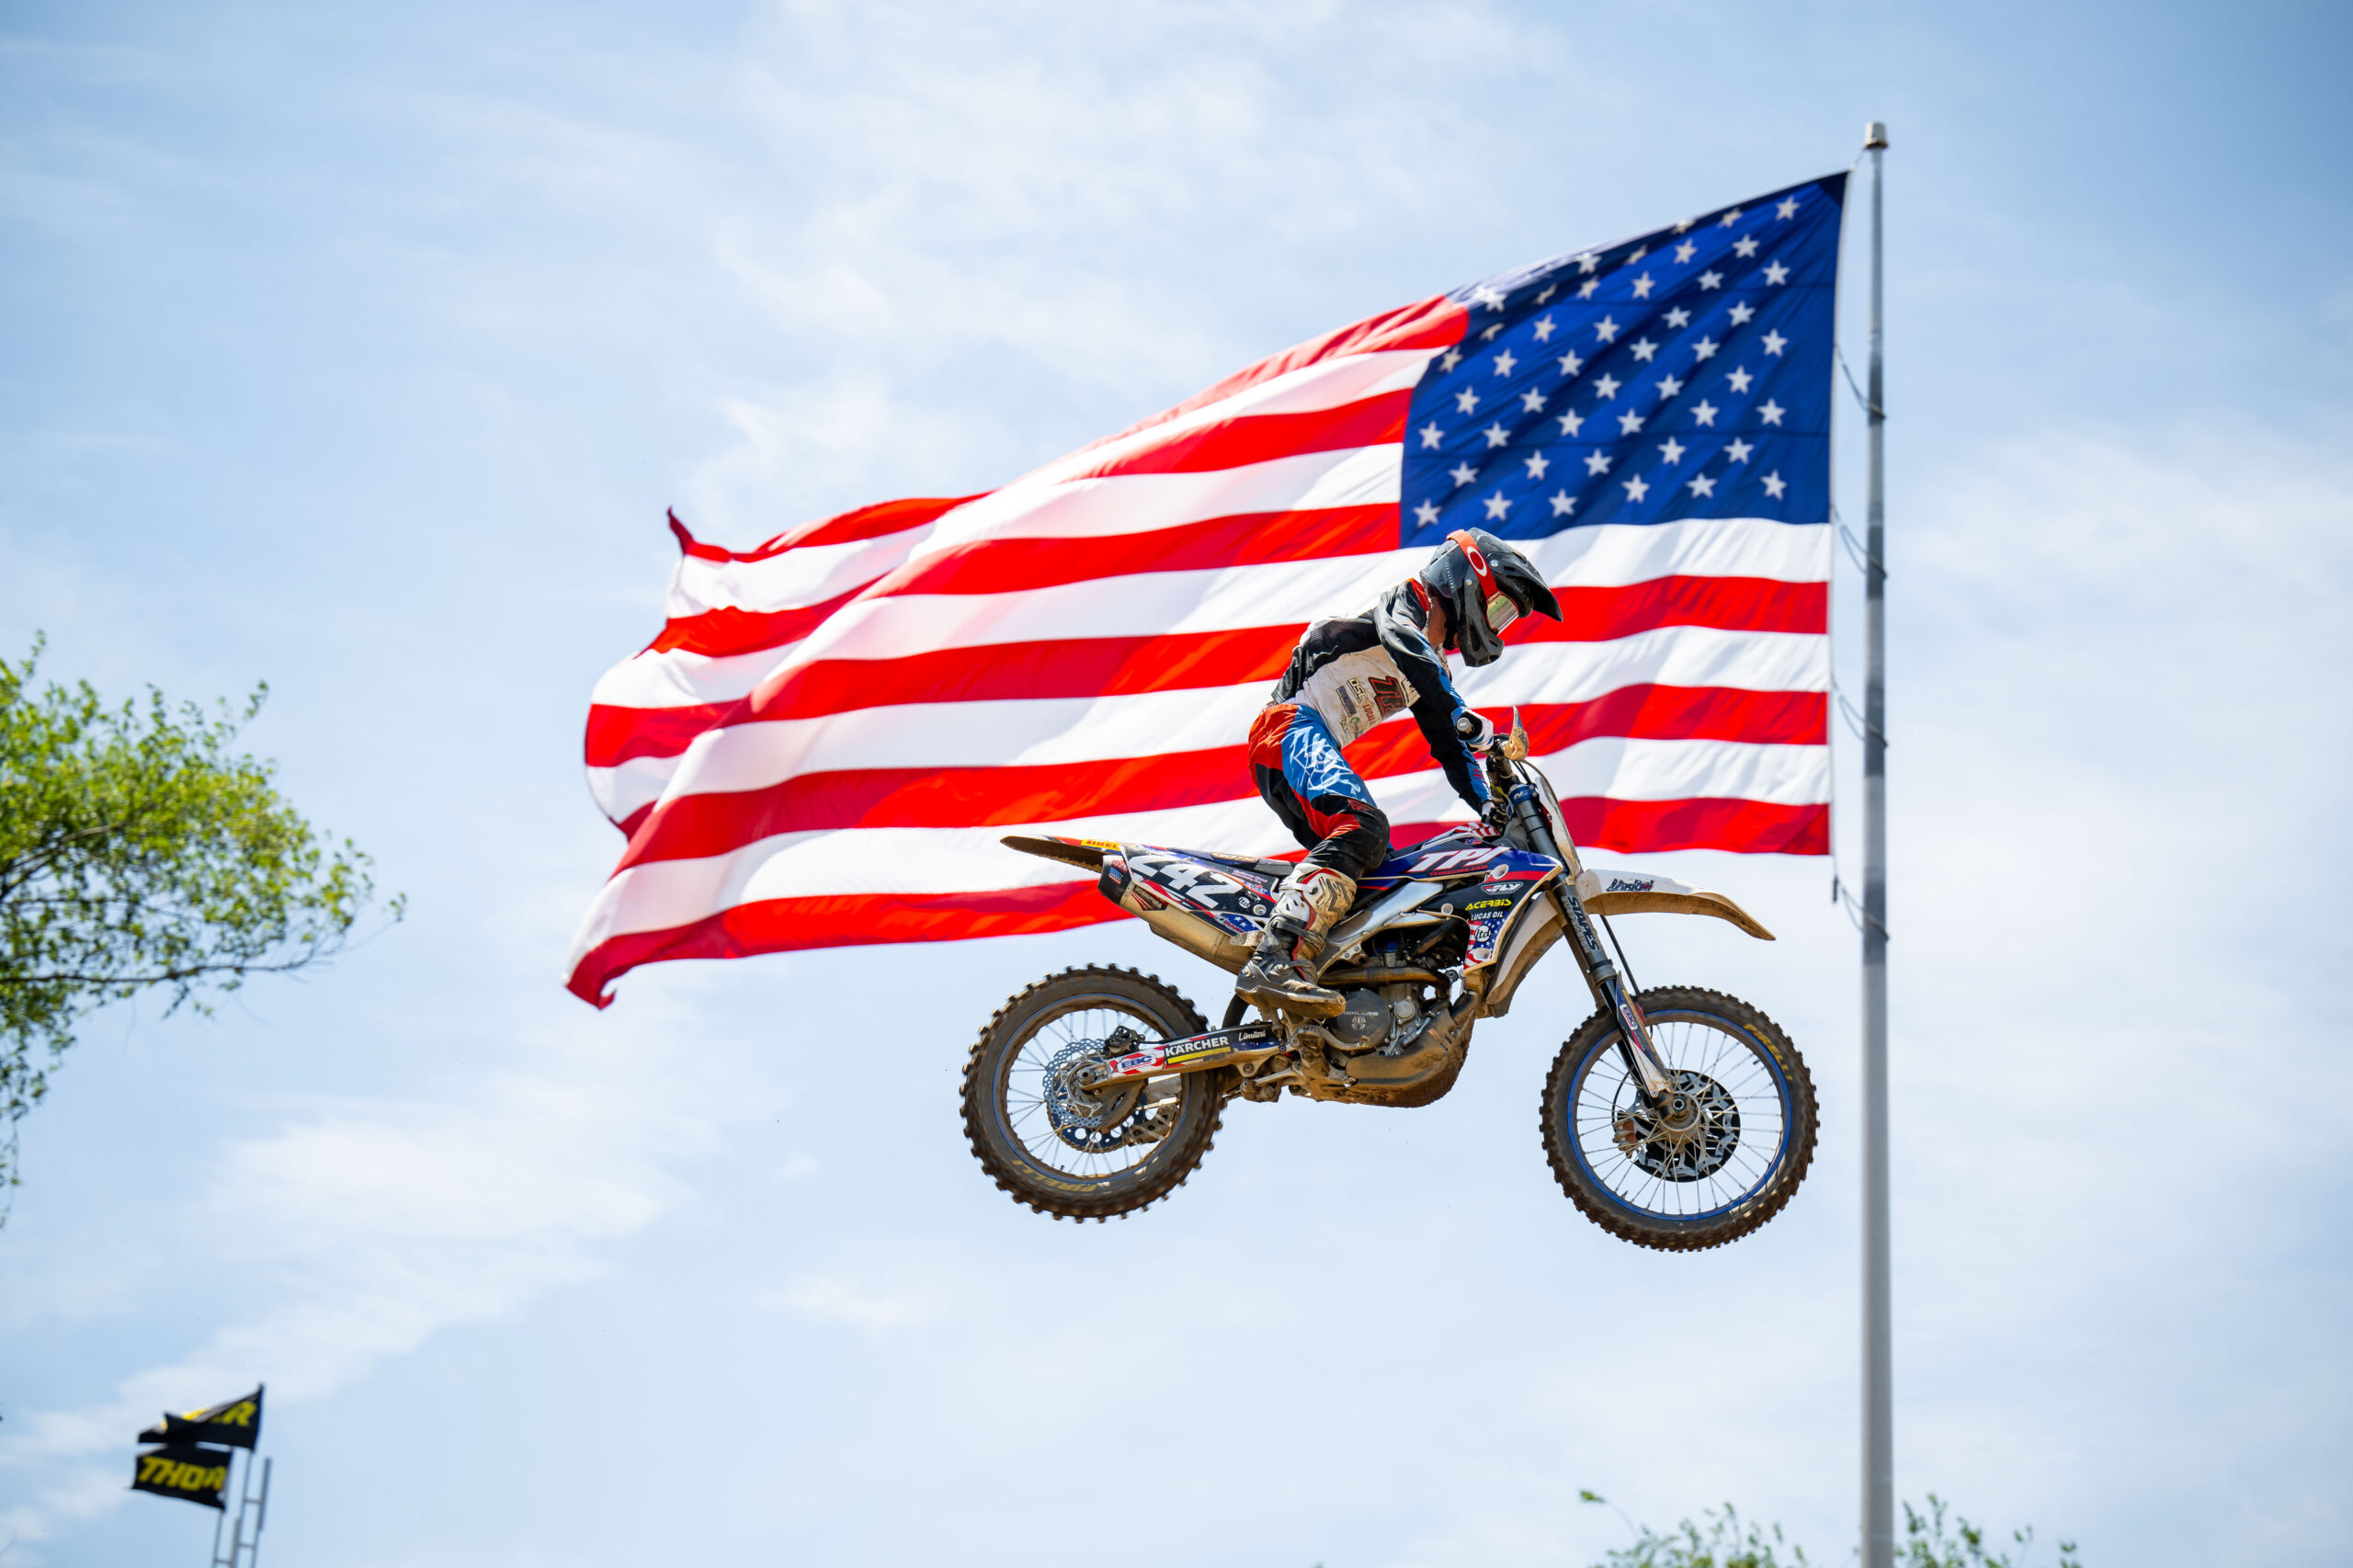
column 1319, row 797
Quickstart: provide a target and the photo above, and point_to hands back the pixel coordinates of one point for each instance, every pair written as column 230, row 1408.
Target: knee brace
column 1309, row 904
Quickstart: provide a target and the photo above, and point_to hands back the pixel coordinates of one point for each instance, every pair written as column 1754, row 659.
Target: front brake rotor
column 1688, row 1139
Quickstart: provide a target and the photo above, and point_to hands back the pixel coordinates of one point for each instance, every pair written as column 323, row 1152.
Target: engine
column 1390, row 1017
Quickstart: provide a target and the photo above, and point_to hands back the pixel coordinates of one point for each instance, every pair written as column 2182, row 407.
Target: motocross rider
column 1346, row 676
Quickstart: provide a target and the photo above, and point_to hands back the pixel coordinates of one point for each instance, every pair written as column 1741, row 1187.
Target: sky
column 360, row 349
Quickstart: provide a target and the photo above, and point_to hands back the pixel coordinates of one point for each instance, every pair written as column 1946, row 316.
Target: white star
column 1775, row 342
column 1586, row 262
column 1466, row 401
column 1607, row 329
column 1489, row 335
column 1678, row 318
column 1462, row 474
column 1639, row 252
column 1744, row 247
column 1607, row 388
column 1549, row 289
column 1450, row 358
column 1496, row 435
column 1739, row 449
column 1642, row 287
column 1775, row 485
column 1669, row 386
column 1685, row 251
column 1537, row 463
column 1532, row 401
column 1544, row 327
column 1705, row 349
column 1672, row 451
column 1585, row 289
column 1776, row 273
column 1595, row 463
column 1645, row 350
column 1563, row 503
column 1788, row 208
column 1740, row 380
column 1705, row 413
column 1711, row 280
column 1770, row 411
column 1497, row 507
column 1702, row 486
column 1629, row 422
column 1685, row 226
column 1425, row 514
column 1572, row 423
column 1730, row 219
column 1486, row 295
column 1636, row 489
column 1431, row 435
column 1571, row 364
column 1503, row 362
column 1740, row 314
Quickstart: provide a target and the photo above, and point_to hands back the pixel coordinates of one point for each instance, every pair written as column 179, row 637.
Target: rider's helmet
column 1485, row 585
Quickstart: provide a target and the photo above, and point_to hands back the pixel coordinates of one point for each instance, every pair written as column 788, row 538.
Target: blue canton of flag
column 1685, row 373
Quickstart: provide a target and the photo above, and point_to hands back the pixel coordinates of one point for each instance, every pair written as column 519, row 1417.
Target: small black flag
column 189, row 1472
column 236, row 1422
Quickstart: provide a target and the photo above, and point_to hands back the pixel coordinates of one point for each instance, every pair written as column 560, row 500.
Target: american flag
column 831, row 733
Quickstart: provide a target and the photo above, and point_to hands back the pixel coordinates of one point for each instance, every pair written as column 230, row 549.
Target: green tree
column 1721, row 1538
column 139, row 850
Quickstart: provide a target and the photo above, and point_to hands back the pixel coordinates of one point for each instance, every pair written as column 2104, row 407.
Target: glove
column 1476, row 731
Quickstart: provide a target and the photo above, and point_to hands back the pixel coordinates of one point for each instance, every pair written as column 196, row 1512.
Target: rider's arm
column 1398, row 619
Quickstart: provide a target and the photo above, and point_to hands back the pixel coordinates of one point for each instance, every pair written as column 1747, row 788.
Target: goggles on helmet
column 1502, row 608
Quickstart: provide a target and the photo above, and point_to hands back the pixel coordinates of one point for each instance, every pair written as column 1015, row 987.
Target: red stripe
column 1435, row 323
column 1729, row 603
column 617, row 734
column 1654, row 827
column 720, row 632
column 1262, row 437
column 689, row 826
column 1091, row 666
column 843, row 527
column 1249, row 538
column 844, row 920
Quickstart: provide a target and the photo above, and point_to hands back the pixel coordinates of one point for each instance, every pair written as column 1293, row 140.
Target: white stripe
column 809, row 574
column 664, row 894
column 1333, row 383
column 1281, row 593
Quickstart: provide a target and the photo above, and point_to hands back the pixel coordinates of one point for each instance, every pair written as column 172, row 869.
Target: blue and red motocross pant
column 1304, row 775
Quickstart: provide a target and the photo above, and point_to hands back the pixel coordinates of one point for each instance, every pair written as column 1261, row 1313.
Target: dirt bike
column 1676, row 1118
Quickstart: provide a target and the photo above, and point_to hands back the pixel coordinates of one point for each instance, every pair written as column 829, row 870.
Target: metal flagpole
column 1879, row 1437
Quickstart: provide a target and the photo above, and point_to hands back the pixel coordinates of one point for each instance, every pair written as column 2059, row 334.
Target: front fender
column 1605, row 891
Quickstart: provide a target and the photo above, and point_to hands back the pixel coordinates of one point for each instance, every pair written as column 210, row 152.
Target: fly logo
column 1453, row 860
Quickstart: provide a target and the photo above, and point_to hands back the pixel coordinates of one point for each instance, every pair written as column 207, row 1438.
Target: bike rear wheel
column 1064, row 1153
column 1712, row 1169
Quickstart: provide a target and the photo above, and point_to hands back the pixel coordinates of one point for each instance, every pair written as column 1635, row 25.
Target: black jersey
column 1357, row 670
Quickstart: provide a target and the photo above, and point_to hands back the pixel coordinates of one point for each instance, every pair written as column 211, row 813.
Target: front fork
column 1609, row 991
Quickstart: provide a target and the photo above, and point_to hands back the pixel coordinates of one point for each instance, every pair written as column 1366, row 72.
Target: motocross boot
column 1280, row 974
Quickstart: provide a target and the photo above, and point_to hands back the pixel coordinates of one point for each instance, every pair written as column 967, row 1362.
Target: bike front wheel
column 1721, row 1157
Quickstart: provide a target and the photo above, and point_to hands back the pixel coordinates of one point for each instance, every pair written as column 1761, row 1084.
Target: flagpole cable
column 1878, row 1412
